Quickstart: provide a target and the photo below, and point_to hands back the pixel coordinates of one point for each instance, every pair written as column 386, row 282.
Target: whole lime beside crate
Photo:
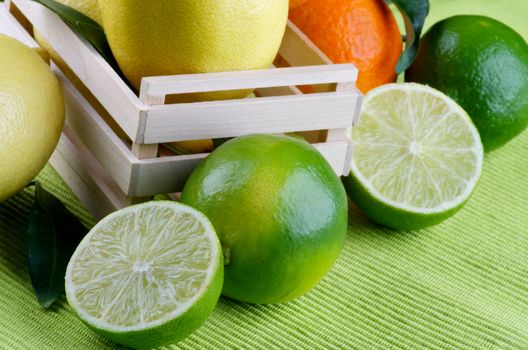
column 280, row 212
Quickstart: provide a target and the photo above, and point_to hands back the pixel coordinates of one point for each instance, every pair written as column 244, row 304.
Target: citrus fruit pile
column 150, row 274
column 264, row 217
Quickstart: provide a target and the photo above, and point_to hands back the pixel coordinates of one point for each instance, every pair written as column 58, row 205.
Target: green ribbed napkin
column 460, row 285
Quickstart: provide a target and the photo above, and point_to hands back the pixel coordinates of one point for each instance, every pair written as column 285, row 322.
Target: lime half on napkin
column 147, row 275
column 417, row 157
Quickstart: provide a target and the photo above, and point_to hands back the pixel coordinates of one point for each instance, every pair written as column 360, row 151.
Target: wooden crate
column 130, row 170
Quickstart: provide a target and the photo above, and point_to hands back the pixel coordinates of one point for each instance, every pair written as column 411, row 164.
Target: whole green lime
column 280, row 212
column 483, row 65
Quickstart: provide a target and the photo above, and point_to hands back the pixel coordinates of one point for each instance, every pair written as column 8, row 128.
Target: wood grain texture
column 9, row 26
column 98, row 137
column 298, row 50
column 98, row 198
column 142, row 151
column 251, row 79
column 169, row 174
column 202, row 120
column 163, row 175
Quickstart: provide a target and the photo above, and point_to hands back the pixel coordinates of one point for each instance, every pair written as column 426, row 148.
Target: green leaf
column 414, row 13
column 86, row 27
column 53, row 234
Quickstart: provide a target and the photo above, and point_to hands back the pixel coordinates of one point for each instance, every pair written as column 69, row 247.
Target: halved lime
column 147, row 275
column 417, row 157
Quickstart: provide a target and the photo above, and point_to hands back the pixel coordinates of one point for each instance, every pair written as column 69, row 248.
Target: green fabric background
column 460, row 285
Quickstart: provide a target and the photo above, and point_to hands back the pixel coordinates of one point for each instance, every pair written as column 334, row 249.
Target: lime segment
column 144, row 267
column 416, row 152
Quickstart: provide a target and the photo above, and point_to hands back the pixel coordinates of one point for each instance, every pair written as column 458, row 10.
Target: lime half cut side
column 417, row 156
column 147, row 275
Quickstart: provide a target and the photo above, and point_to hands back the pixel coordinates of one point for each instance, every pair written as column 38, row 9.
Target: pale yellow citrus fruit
column 152, row 38
column 31, row 115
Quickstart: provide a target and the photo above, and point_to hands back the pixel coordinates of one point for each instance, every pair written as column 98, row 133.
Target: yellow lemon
column 31, row 115
column 152, row 38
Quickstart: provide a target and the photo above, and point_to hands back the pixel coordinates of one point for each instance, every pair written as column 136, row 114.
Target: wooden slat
column 196, row 121
column 98, row 137
column 9, row 26
column 239, row 80
column 298, row 50
column 78, row 180
column 278, row 91
column 76, row 170
column 163, row 175
column 87, row 64
column 169, row 174
column 335, row 153
column 142, row 151
column 352, row 87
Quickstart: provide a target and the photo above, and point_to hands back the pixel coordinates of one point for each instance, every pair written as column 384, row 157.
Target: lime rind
column 416, row 153
column 191, row 310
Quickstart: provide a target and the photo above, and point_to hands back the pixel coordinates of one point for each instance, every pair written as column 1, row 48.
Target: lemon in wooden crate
column 165, row 37
column 280, row 212
column 31, row 115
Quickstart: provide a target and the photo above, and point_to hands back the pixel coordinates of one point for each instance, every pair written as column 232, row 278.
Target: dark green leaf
column 86, row 27
column 219, row 142
column 414, row 13
column 53, row 234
